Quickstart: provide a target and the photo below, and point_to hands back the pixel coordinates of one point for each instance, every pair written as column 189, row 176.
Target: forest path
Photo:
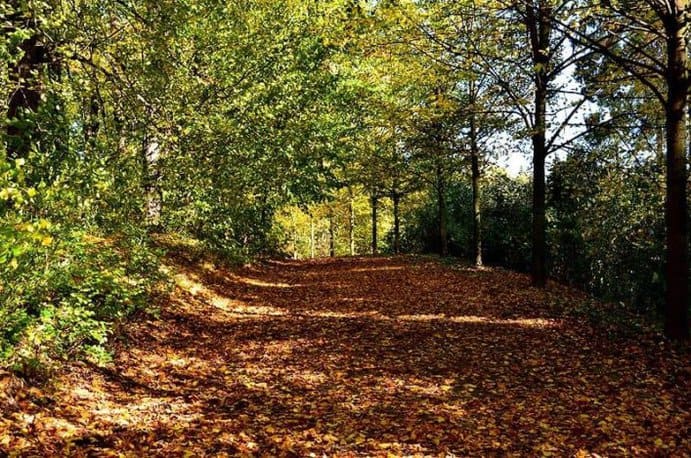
column 363, row 356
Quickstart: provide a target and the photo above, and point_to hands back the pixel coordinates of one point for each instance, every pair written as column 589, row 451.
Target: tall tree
column 455, row 34
column 648, row 40
column 24, row 73
column 540, row 62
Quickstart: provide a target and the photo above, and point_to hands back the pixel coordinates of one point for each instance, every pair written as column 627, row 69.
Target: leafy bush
column 505, row 222
column 66, row 297
column 62, row 289
column 607, row 232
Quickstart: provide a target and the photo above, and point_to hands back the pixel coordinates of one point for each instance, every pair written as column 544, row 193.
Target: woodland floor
column 370, row 356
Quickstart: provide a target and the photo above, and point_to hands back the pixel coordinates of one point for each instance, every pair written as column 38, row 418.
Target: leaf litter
column 399, row 356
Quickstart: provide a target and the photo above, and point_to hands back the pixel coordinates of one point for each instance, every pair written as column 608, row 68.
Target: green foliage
column 608, row 228
column 506, row 221
column 63, row 281
column 303, row 231
column 64, row 298
column 202, row 119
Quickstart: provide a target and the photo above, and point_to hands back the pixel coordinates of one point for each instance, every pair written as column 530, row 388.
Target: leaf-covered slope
column 386, row 356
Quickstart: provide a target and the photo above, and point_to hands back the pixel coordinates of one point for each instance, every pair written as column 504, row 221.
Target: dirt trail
column 352, row 357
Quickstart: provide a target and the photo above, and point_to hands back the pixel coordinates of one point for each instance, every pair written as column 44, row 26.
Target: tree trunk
column 375, row 205
column 332, row 235
column 539, row 28
column 442, row 214
column 151, row 150
column 312, row 241
column 676, row 311
column 92, row 124
column 351, row 224
column 477, row 215
column 396, row 198
column 26, row 95
column 539, row 274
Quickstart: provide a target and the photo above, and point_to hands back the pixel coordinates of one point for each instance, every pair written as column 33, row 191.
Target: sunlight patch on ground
column 428, row 388
column 190, row 284
column 263, row 310
column 60, row 427
column 278, row 262
column 226, row 304
column 306, row 378
column 208, row 266
column 257, row 282
column 333, row 314
column 376, row 269
column 241, row 308
column 525, row 322
column 279, row 349
column 136, row 413
column 83, row 393
column 179, row 362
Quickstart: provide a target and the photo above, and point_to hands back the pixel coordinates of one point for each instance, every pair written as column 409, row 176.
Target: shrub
column 62, row 290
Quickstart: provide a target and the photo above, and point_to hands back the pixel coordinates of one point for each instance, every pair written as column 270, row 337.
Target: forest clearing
column 363, row 357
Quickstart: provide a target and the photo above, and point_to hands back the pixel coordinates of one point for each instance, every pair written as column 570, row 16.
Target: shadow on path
column 367, row 356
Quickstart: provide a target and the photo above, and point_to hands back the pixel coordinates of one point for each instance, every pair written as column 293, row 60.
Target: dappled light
column 252, row 304
column 374, row 269
column 299, row 228
column 528, row 322
column 360, row 357
column 256, row 282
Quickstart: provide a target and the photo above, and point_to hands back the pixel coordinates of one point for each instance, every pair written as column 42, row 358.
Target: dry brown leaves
column 351, row 357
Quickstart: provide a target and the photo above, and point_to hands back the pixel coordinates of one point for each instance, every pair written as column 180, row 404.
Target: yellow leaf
column 330, row 437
